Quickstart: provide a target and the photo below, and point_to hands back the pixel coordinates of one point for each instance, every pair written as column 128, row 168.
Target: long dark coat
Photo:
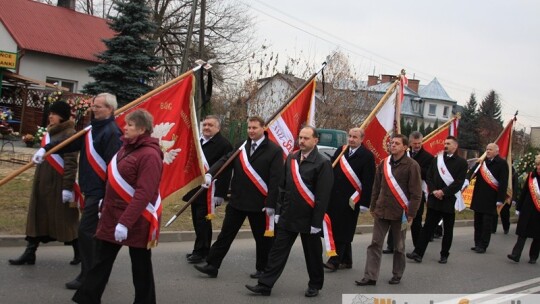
column 48, row 217
column 529, row 218
column 485, row 198
column 344, row 218
column 458, row 169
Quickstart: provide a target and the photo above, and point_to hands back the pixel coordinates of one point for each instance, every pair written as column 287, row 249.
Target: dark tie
column 413, row 154
column 202, row 140
column 253, row 148
column 351, row 152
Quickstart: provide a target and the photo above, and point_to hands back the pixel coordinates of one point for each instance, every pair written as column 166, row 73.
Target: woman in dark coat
column 131, row 212
column 528, row 209
column 50, row 216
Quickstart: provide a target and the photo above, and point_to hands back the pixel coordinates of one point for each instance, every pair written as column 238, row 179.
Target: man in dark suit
column 355, row 170
column 257, row 171
column 423, row 158
column 306, row 192
column 444, row 179
column 214, row 147
column 489, row 192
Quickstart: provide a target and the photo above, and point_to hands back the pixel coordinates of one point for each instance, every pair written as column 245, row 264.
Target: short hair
column 312, row 128
column 215, row 117
column 110, row 100
column 537, row 160
column 142, row 119
column 452, row 138
column 360, row 130
column 404, row 138
column 494, row 145
column 256, row 118
column 416, row 135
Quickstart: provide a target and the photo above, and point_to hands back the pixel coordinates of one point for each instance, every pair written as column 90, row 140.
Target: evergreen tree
column 129, row 58
column 436, row 125
column 415, row 125
column 468, row 125
column 423, row 129
column 489, row 119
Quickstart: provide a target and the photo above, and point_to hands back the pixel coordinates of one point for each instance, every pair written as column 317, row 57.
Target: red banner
column 379, row 129
column 175, row 126
column 434, row 141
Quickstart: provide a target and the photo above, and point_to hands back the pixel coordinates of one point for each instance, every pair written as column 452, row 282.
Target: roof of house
column 434, row 90
column 54, row 30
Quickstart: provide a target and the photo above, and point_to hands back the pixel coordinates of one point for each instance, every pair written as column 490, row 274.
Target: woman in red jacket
column 130, row 213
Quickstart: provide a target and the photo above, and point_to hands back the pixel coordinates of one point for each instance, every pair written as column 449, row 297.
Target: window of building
column 445, row 111
column 432, row 109
column 71, row 85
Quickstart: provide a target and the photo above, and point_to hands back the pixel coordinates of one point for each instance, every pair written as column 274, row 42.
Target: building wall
column 535, row 137
column 269, row 98
column 39, row 66
column 6, row 42
column 439, row 111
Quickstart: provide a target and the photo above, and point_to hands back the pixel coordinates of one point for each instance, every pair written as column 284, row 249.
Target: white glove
column 314, row 230
column 217, row 201
column 517, row 213
column 363, row 209
column 276, row 218
column 120, row 233
column 499, row 204
column 207, row 180
column 465, row 184
column 269, row 211
column 38, row 156
column 99, row 208
column 513, row 203
column 67, row 196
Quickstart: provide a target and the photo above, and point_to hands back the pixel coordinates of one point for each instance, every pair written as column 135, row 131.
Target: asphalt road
column 178, row 282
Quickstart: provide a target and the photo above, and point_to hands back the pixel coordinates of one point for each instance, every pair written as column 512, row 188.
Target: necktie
column 302, row 157
column 202, row 140
column 351, row 152
column 413, row 153
column 253, row 148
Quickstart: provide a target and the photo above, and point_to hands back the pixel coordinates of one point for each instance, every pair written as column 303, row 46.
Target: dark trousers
column 534, row 250
column 232, row 223
column 505, row 219
column 202, row 226
column 87, row 230
column 482, row 229
column 433, row 218
column 311, row 244
column 416, row 225
column 98, row 276
column 344, row 254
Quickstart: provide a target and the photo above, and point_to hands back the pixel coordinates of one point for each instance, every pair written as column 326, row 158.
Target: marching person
column 504, row 213
column 130, row 213
column 528, row 210
column 351, row 192
column 489, row 193
column 444, row 179
column 214, row 147
column 396, row 195
column 257, row 171
column 306, row 192
column 97, row 148
column 50, row 216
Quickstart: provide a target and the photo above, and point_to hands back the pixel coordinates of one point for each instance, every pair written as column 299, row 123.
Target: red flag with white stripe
column 284, row 128
column 175, row 126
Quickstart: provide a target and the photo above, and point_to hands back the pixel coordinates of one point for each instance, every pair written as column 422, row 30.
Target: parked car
column 326, row 150
column 332, row 137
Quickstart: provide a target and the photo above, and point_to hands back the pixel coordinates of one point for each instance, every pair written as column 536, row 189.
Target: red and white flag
column 505, row 151
column 434, row 141
column 173, row 109
column 379, row 129
column 284, row 128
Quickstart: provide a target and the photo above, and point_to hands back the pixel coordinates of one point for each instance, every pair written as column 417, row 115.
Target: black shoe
column 480, row 250
column 311, row 292
column 257, row 274
column 532, row 261
column 330, row 266
column 345, row 266
column 473, row 248
column 514, row 258
column 260, row 289
column 506, row 231
column 195, row 259
column 188, row 255
column 74, row 285
column 394, row 281
column 443, row 260
column 208, row 269
column 388, row 251
column 414, row 256
column 365, row 282
column 75, row 261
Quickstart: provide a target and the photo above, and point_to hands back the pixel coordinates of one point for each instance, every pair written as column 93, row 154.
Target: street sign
column 8, row 60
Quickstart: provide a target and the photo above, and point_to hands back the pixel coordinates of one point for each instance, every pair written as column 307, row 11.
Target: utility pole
column 188, row 37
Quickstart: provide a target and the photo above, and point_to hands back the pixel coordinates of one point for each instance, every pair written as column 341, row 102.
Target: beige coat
column 48, row 217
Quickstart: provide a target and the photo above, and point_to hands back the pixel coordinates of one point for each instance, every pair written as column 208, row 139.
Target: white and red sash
column 152, row 213
column 449, row 179
column 309, row 198
column 211, row 191
column 94, row 159
column 488, row 177
column 534, row 191
column 57, row 162
column 398, row 193
column 353, row 179
column 257, row 180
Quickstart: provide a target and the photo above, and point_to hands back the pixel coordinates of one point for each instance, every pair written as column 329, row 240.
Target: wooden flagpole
column 82, row 132
column 235, row 154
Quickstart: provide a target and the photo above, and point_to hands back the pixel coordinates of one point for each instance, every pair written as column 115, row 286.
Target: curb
column 189, row 236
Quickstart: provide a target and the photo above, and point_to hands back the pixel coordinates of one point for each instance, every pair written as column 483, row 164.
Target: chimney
column 414, row 84
column 70, row 4
column 387, row 78
column 372, row 80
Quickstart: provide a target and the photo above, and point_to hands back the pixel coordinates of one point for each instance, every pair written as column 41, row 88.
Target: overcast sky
column 470, row 46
